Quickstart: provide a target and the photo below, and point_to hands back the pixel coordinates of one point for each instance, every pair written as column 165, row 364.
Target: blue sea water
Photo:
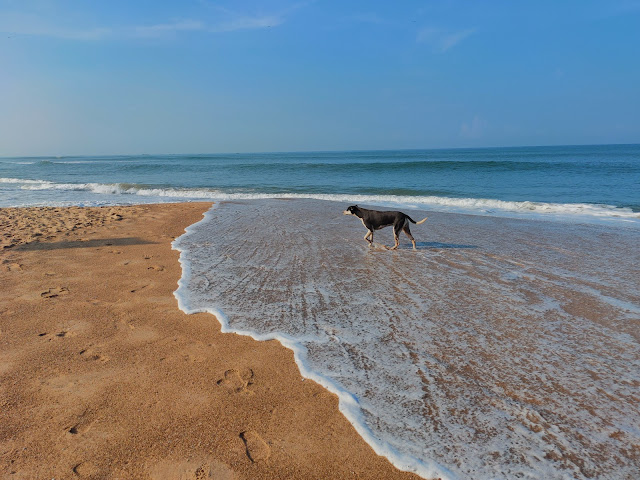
column 592, row 183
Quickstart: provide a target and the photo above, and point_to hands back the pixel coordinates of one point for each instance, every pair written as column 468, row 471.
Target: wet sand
column 500, row 348
column 101, row 376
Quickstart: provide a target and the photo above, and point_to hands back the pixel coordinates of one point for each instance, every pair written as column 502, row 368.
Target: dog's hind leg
column 366, row 237
column 406, row 230
column 396, row 236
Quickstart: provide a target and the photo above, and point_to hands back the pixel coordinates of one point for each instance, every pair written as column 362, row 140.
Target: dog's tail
column 417, row 223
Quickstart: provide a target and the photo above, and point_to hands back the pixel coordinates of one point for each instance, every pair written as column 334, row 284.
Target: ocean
column 506, row 346
column 584, row 183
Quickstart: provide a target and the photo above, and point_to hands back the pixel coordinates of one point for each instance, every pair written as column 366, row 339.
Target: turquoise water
column 593, row 182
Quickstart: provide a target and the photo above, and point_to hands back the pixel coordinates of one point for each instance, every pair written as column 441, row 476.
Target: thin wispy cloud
column 64, row 33
column 43, row 29
column 225, row 20
column 248, row 23
column 27, row 24
column 40, row 28
column 164, row 28
column 442, row 40
column 235, row 20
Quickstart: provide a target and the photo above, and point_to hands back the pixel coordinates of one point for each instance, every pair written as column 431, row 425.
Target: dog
column 375, row 220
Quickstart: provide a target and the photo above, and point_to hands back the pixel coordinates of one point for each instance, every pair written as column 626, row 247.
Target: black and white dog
column 375, row 220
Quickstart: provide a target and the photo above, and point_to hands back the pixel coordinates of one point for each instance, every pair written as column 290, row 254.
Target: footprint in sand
column 55, row 292
column 80, row 424
column 11, row 266
column 236, row 381
column 257, row 448
column 157, row 268
column 83, row 426
column 86, row 470
column 65, row 333
column 192, row 470
column 91, row 354
column 61, row 334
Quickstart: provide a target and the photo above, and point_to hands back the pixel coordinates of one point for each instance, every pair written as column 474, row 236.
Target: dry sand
column 101, row 376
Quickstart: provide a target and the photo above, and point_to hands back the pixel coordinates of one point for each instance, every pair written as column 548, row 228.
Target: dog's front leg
column 366, row 237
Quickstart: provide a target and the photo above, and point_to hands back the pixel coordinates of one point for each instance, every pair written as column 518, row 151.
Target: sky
column 206, row 76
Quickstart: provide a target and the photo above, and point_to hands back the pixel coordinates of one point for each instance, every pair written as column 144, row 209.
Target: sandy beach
column 102, row 376
column 319, row 240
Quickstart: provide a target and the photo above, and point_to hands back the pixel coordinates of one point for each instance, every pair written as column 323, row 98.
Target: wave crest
column 482, row 206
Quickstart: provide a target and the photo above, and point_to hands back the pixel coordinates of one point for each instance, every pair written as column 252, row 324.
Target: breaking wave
column 477, row 206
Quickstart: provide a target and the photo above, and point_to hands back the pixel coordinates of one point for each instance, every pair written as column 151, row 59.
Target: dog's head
column 352, row 210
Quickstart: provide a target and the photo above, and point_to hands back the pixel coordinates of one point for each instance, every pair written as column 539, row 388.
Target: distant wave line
column 466, row 205
column 341, row 164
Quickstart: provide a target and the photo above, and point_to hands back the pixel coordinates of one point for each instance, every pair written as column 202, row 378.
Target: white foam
column 24, row 181
column 477, row 206
column 348, row 403
column 393, row 333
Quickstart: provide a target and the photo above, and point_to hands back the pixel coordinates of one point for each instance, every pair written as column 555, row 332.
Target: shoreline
column 536, row 292
column 103, row 376
column 348, row 403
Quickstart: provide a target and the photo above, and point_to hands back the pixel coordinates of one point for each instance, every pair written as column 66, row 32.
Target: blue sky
column 206, row 76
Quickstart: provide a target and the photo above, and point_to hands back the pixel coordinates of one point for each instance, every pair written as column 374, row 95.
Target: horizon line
column 321, row 151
